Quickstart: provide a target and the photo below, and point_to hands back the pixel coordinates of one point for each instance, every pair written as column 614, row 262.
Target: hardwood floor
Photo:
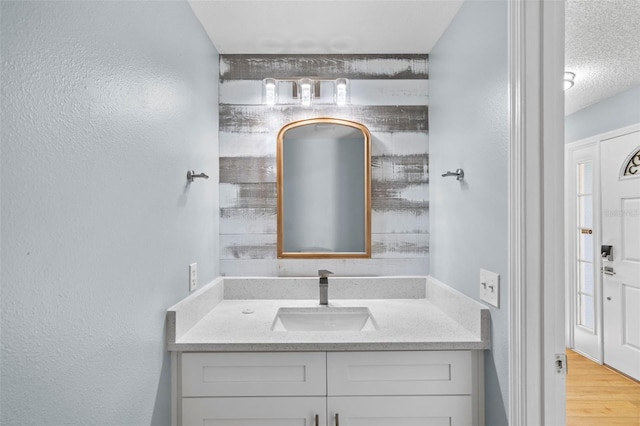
column 599, row 396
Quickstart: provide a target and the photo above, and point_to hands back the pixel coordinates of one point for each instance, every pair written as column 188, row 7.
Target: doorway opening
column 602, row 225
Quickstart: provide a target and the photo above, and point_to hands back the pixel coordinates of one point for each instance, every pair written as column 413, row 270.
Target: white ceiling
column 602, row 36
column 325, row 26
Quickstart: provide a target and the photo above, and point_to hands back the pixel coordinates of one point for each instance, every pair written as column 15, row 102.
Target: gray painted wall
column 389, row 96
column 468, row 115
column 610, row 114
column 105, row 106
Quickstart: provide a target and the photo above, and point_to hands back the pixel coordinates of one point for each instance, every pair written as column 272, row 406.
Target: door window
column 632, row 167
column 585, row 267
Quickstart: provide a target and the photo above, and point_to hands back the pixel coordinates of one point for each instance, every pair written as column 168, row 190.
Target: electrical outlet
column 490, row 287
column 193, row 276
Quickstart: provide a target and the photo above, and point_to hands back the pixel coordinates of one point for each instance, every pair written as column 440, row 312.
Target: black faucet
column 324, row 286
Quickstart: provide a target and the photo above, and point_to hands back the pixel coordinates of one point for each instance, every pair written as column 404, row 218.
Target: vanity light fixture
column 568, row 80
column 305, row 91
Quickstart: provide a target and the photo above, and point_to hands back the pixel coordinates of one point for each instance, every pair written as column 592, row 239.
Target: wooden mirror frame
column 367, row 191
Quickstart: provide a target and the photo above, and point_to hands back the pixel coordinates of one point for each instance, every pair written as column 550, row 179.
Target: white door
column 584, row 313
column 620, row 186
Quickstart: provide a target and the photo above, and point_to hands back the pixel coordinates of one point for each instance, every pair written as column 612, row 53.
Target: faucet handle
column 323, row 273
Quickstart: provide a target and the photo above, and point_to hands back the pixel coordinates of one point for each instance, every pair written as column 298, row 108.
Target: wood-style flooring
column 597, row 395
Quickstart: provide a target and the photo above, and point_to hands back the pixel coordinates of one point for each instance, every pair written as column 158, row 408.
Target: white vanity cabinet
column 329, row 388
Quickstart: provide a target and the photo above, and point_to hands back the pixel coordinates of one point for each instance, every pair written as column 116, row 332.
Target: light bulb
column 305, row 92
column 341, row 91
column 270, row 91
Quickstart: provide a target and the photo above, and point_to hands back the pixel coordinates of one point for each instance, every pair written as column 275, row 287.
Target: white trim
column 478, row 387
column 554, row 390
column 577, row 145
column 175, row 392
column 536, row 249
column 517, row 327
column 611, row 134
column 532, row 207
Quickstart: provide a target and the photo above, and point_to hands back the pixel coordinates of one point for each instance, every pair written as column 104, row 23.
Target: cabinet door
column 400, row 411
column 275, row 411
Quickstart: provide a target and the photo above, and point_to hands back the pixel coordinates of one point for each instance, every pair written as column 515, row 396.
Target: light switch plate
column 193, row 276
column 490, row 287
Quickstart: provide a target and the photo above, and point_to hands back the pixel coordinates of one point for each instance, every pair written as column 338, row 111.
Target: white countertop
column 437, row 319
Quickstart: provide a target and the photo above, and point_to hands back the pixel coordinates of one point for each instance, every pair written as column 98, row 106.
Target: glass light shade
column 305, row 87
column 341, row 91
column 270, row 91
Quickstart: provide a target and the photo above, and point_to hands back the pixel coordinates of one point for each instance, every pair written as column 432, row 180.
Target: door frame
column 536, row 217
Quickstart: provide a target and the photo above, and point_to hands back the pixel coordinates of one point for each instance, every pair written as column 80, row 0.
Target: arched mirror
column 324, row 189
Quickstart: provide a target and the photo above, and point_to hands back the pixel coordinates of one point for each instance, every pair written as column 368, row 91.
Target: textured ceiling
column 602, row 49
column 602, row 36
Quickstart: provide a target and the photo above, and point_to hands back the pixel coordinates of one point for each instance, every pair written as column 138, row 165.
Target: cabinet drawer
column 270, row 411
column 400, row 373
column 455, row 410
column 253, row 374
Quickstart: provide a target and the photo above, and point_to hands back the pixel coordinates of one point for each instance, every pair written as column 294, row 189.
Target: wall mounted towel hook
column 191, row 175
column 459, row 174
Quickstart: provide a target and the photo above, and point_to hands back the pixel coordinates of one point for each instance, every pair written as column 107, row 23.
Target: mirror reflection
column 324, row 191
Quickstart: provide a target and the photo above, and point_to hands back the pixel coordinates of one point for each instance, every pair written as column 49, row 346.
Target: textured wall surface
column 610, row 114
column 389, row 96
column 468, row 115
column 105, row 106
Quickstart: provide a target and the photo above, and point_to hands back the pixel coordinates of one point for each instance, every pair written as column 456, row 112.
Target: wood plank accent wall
column 389, row 95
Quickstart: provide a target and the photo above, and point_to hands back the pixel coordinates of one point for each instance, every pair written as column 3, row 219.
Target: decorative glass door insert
column 585, row 267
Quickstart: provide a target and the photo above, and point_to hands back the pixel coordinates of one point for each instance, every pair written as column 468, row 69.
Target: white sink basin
column 324, row 319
